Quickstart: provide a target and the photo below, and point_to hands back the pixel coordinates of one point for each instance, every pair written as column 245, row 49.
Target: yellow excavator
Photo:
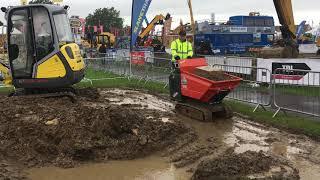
column 43, row 56
column 105, row 38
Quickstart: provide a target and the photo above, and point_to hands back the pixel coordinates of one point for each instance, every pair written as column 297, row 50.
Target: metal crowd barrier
column 150, row 71
column 297, row 91
column 252, row 89
column 119, row 69
column 124, row 67
column 230, row 60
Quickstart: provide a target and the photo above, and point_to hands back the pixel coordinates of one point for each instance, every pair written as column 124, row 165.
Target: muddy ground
column 44, row 132
column 113, row 124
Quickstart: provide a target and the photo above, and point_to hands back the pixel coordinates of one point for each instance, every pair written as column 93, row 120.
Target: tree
column 40, row 2
column 106, row 17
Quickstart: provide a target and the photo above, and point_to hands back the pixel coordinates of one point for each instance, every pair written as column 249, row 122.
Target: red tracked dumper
column 198, row 97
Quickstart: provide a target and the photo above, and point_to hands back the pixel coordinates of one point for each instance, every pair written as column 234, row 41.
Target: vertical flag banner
column 139, row 11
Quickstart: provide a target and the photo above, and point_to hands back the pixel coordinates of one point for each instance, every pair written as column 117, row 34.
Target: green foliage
column 40, row 2
column 107, row 17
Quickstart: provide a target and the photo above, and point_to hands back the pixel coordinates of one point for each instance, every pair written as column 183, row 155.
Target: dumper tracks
column 203, row 112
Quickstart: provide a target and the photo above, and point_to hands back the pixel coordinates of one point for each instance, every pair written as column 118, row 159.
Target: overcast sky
column 303, row 9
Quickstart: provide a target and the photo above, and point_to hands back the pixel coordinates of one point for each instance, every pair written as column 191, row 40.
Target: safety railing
column 151, row 70
column 253, row 89
column 297, row 91
column 104, row 68
column 141, row 68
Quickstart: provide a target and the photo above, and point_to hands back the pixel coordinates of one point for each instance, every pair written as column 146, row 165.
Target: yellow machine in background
column 158, row 19
column 106, row 38
column 287, row 47
column 43, row 56
column 146, row 37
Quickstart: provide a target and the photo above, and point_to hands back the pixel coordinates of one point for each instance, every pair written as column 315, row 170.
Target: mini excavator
column 43, row 57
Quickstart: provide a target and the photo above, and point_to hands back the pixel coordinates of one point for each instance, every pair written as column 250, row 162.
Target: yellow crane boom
column 192, row 18
column 158, row 19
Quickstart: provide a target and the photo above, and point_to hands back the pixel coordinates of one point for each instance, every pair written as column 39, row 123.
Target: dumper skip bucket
column 203, row 89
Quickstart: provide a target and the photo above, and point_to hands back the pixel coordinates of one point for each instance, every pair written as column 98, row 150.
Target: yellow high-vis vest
column 181, row 49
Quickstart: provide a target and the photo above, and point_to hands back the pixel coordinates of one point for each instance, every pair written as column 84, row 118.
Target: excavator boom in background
column 287, row 46
column 144, row 38
column 158, row 19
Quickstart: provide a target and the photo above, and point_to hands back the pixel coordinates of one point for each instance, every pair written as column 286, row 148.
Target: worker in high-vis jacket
column 181, row 48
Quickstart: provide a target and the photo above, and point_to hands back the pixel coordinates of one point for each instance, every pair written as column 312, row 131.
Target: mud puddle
column 150, row 168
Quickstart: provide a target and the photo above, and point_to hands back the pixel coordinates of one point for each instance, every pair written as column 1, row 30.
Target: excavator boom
column 156, row 20
column 285, row 15
column 289, row 47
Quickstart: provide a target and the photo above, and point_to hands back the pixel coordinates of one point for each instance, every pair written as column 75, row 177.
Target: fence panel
column 215, row 60
column 159, row 71
column 297, row 91
column 231, row 60
column 251, row 90
column 138, row 67
column 106, row 68
column 152, row 70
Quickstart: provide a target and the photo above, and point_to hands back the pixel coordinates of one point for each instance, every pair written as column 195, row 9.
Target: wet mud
column 127, row 134
column 38, row 132
column 239, row 166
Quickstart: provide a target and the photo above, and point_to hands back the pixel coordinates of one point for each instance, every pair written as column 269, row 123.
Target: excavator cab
column 41, row 47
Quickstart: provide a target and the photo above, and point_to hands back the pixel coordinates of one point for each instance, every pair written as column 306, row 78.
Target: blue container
column 239, row 35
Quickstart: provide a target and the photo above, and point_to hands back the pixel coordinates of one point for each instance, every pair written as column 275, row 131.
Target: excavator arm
column 156, row 20
column 286, row 19
column 287, row 47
